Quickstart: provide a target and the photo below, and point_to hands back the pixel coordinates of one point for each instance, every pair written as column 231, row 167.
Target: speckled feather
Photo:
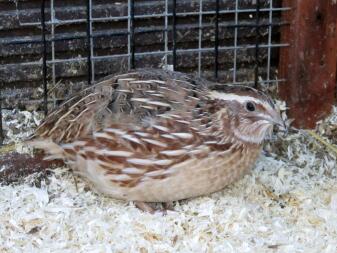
column 152, row 135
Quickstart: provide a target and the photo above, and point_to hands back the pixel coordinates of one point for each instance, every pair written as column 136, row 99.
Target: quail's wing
column 126, row 156
column 124, row 99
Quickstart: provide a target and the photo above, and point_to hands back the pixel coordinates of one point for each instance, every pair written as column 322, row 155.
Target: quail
column 159, row 136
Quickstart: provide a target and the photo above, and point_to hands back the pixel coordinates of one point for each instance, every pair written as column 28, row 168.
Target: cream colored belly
column 192, row 178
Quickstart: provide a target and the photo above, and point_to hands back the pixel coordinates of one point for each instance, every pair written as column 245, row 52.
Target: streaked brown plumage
column 159, row 136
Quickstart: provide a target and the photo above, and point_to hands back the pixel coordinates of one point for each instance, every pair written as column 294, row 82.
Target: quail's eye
column 250, row 107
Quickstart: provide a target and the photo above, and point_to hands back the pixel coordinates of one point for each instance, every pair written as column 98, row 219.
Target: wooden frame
column 310, row 62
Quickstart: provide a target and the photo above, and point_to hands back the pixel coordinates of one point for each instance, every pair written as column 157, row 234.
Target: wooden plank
column 309, row 64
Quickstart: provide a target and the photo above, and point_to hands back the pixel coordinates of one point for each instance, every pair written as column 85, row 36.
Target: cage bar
column 132, row 32
column 270, row 28
column 89, row 42
column 129, row 35
column 174, row 34
column 257, row 41
column 216, row 39
column 235, row 39
column 204, row 49
column 107, row 19
column 200, row 38
column 166, row 33
column 44, row 58
column 138, row 31
column 52, row 16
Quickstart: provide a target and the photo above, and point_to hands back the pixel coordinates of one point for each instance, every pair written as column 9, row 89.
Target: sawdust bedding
column 287, row 204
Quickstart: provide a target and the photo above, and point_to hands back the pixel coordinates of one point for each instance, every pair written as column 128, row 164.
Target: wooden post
column 310, row 62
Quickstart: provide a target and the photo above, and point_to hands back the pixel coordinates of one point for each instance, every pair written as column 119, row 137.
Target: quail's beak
column 278, row 121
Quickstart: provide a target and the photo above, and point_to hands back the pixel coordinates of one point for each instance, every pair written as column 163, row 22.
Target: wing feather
column 127, row 99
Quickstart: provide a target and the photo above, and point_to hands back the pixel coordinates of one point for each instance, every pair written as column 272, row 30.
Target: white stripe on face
column 232, row 96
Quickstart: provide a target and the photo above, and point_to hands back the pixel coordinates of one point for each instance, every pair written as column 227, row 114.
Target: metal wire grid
column 131, row 54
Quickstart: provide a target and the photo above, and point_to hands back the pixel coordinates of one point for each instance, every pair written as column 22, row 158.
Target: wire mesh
column 171, row 51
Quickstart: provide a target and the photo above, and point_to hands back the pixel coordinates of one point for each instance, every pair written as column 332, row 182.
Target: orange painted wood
column 310, row 62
